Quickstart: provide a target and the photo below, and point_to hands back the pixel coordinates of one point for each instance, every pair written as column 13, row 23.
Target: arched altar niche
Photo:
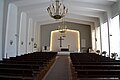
column 71, row 41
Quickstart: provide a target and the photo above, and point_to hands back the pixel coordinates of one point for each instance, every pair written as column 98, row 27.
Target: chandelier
column 57, row 10
column 62, row 29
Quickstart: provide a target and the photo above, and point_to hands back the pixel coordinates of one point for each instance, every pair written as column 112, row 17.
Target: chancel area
column 70, row 41
column 59, row 39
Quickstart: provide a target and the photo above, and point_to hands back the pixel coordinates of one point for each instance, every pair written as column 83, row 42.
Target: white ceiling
column 78, row 9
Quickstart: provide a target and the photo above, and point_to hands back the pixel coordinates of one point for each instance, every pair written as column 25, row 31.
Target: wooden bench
column 97, row 67
column 98, row 73
column 94, row 67
column 26, row 67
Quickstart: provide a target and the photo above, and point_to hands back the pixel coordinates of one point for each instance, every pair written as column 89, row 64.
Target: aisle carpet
column 60, row 70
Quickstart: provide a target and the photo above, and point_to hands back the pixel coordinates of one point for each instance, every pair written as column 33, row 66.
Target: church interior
column 60, row 39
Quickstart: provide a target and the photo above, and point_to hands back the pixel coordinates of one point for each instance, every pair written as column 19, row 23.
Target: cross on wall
column 60, row 41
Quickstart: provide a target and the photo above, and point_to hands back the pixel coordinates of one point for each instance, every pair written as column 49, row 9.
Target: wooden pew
column 98, row 73
column 91, row 67
column 21, row 66
column 97, row 67
column 96, row 63
column 26, row 67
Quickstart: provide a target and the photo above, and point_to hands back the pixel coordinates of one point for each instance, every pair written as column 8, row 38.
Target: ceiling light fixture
column 57, row 10
column 62, row 28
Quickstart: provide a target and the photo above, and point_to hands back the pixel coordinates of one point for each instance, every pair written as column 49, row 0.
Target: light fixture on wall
column 62, row 28
column 57, row 9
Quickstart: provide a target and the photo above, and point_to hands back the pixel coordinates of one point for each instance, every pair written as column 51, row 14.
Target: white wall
column 98, row 45
column 1, row 25
column 45, row 31
column 35, row 30
column 11, row 30
column 29, row 36
column 106, row 17
column 104, row 33
column 93, row 34
column 38, row 36
column 6, row 3
column 22, row 34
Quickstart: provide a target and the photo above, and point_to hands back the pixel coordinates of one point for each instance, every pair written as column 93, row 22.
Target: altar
column 63, row 53
column 66, row 53
column 64, row 49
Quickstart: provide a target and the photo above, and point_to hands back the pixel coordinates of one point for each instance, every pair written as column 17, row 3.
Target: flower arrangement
column 114, row 55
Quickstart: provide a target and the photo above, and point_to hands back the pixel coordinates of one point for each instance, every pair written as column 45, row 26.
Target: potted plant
column 98, row 51
column 104, row 53
column 114, row 55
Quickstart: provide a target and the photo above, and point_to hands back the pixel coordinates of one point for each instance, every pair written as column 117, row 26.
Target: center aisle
column 60, row 69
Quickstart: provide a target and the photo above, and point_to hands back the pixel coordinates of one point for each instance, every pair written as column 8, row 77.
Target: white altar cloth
column 63, row 53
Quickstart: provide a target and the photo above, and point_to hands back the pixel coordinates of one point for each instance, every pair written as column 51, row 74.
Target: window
column 98, row 38
column 115, row 35
column 104, row 37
